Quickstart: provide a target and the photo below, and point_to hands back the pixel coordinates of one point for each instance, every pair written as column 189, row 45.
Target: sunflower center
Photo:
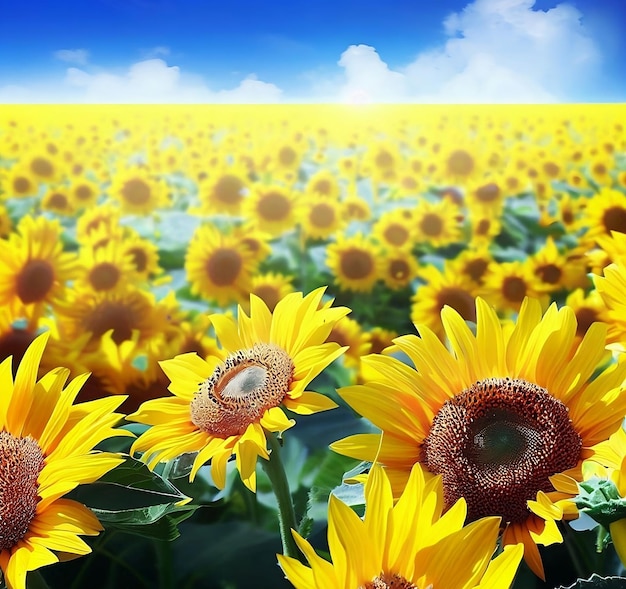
column 514, row 289
column 460, row 163
column 322, row 215
column 389, row 581
column 104, row 276
column 58, row 200
column 549, row 273
column 614, row 219
column 139, row 258
column 497, row 443
column 229, row 190
column 42, row 167
column 356, row 264
column 83, row 192
column 240, row 390
column 551, row 169
column 269, row 294
column 396, row 234
column 585, row 316
column 112, row 315
column 274, row 206
column 488, row 192
column 224, row 266
column 323, row 187
column 476, row 269
column 136, row 192
column 383, row 159
column 21, row 461
column 34, row 281
column 460, row 300
column 431, row 225
column 399, row 269
column 21, row 185
column 287, row 156
column 482, row 227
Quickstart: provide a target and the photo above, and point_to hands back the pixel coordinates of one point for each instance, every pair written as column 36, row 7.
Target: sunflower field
column 322, row 347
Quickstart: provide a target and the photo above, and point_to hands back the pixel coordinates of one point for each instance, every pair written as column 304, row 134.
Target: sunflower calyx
column 601, row 500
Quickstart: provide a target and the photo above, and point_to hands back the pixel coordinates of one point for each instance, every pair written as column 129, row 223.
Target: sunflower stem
column 275, row 471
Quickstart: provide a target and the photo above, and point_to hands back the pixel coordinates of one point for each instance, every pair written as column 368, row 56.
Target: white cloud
column 496, row 51
column 493, row 51
column 147, row 81
column 77, row 56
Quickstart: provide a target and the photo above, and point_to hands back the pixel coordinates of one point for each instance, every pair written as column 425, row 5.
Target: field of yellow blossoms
column 327, row 347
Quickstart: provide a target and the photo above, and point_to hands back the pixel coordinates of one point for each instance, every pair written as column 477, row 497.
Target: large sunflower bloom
column 405, row 545
column 497, row 416
column 225, row 407
column 34, row 269
column 46, row 450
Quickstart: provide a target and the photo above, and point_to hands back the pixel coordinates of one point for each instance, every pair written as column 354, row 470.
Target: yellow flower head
column 497, row 414
column 225, row 407
column 407, row 544
column 46, row 450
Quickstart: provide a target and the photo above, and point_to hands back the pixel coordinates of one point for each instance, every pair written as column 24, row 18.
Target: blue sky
column 313, row 51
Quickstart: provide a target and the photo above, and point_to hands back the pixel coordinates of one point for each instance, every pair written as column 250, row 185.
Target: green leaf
column 136, row 500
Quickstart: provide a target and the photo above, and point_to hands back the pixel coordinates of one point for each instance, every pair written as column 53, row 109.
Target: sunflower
column 84, row 193
column 323, row 184
column 47, row 444
column 144, row 255
column 611, row 288
column 557, row 271
column 355, row 208
column 57, row 200
column 321, row 217
column 34, row 269
column 18, row 183
column 349, row 334
column 380, row 338
column 487, row 195
column 256, row 242
column 399, row 269
column 605, row 212
column 138, row 191
column 224, row 191
column 437, row 223
column 218, row 266
column 600, row 166
column 355, row 262
column 104, row 218
column 394, row 230
column 104, row 268
column 124, row 311
column 498, row 414
column 405, row 545
column 459, row 161
column 225, row 407
column 272, row 209
column 380, row 161
column 509, row 283
column 589, row 308
column 442, row 288
column 271, row 287
column 474, row 264
column 43, row 166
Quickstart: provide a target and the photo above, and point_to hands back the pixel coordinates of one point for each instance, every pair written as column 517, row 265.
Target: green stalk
column 275, row 471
